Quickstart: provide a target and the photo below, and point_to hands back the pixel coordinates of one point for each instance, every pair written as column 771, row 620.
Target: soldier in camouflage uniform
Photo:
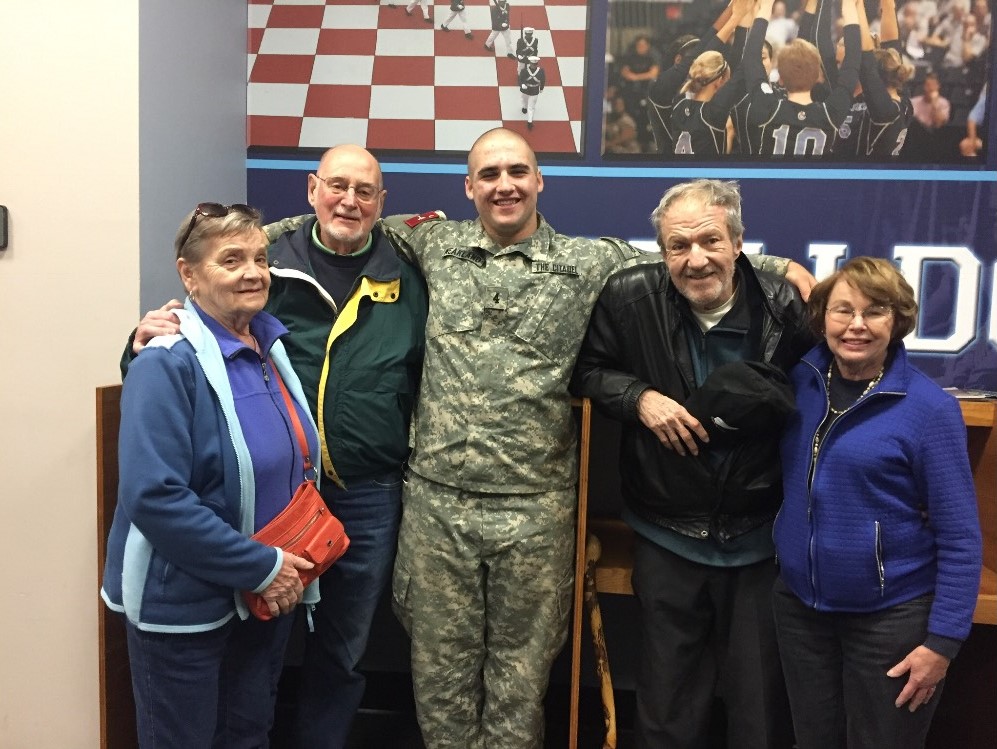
column 483, row 575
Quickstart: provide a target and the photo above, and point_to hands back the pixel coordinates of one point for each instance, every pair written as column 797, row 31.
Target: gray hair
column 712, row 192
column 207, row 227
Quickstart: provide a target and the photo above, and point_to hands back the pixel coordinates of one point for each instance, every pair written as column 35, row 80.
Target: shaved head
column 498, row 133
column 503, row 180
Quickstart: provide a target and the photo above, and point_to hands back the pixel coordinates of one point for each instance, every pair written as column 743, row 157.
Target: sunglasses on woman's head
column 217, row 210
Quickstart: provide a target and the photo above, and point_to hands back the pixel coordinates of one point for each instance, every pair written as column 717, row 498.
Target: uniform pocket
column 401, row 583
column 554, row 331
column 456, row 308
column 565, row 594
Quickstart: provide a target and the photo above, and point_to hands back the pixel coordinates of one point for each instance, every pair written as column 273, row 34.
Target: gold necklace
column 872, row 383
column 834, row 413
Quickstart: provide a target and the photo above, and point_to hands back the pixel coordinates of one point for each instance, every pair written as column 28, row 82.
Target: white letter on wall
column 826, row 257
column 912, row 259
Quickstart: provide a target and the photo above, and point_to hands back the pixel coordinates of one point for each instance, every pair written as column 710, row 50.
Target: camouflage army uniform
column 483, row 576
column 487, row 538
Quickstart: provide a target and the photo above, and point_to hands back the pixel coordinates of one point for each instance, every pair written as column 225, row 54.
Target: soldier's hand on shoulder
column 801, row 278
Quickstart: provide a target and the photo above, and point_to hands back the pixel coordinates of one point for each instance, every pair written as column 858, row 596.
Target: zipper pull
column 266, row 375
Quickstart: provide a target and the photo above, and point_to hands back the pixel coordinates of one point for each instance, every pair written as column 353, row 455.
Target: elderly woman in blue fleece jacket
column 878, row 538
column 208, row 456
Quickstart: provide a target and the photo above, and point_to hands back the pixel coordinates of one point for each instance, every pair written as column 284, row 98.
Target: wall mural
column 417, row 76
column 323, row 72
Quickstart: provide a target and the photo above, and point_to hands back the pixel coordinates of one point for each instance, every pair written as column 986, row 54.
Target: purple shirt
column 278, row 466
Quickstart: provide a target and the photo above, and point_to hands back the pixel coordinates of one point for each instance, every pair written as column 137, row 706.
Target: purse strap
column 296, row 423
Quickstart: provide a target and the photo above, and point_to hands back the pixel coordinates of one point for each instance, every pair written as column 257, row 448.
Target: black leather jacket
column 636, row 341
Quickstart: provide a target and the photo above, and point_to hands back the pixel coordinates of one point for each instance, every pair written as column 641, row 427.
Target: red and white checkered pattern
column 323, row 72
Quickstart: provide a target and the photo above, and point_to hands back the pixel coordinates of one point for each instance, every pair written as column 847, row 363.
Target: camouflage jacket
column 504, row 328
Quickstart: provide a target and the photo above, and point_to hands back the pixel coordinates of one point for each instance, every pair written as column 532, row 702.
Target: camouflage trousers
column 482, row 584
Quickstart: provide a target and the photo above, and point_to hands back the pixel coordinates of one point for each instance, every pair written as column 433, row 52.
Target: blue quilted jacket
column 890, row 513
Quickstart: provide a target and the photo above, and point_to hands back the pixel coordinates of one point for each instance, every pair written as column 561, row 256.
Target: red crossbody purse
column 305, row 528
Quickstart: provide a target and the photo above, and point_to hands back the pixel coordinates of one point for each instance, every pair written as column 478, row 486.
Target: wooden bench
column 117, row 706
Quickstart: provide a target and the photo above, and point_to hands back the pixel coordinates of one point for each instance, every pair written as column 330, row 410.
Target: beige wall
column 69, row 176
column 108, row 110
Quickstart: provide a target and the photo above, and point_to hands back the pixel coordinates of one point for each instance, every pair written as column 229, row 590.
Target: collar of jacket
column 289, row 252
column 379, row 280
column 538, row 243
column 896, row 378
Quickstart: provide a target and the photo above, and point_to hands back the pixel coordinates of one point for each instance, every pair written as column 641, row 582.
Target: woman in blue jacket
column 878, row 538
column 208, row 456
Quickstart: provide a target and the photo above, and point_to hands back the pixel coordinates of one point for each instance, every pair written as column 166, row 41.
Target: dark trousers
column 836, row 664
column 207, row 689
column 707, row 632
column 332, row 685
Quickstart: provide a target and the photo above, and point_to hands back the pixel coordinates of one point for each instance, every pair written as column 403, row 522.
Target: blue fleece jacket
column 891, row 512
column 179, row 551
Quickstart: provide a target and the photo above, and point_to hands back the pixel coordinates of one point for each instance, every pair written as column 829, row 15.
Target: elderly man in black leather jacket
column 690, row 355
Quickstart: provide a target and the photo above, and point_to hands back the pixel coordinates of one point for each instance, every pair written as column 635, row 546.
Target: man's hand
column 160, row 321
column 675, row 427
column 285, row 591
column 801, row 278
column 926, row 668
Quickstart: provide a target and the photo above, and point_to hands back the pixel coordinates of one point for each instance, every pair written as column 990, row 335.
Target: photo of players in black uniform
column 845, row 81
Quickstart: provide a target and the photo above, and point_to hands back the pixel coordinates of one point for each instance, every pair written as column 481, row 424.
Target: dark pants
column 207, row 689
column 707, row 632
column 836, row 666
column 331, row 684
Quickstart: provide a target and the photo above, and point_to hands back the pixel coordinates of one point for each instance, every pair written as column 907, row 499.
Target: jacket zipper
column 815, row 452
column 811, row 473
column 879, row 559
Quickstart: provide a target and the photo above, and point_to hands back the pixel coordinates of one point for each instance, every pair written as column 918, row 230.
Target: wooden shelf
column 986, row 602
column 979, row 413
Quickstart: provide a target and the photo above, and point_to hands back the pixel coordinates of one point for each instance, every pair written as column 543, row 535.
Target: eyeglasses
column 363, row 192
column 872, row 315
column 217, row 210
